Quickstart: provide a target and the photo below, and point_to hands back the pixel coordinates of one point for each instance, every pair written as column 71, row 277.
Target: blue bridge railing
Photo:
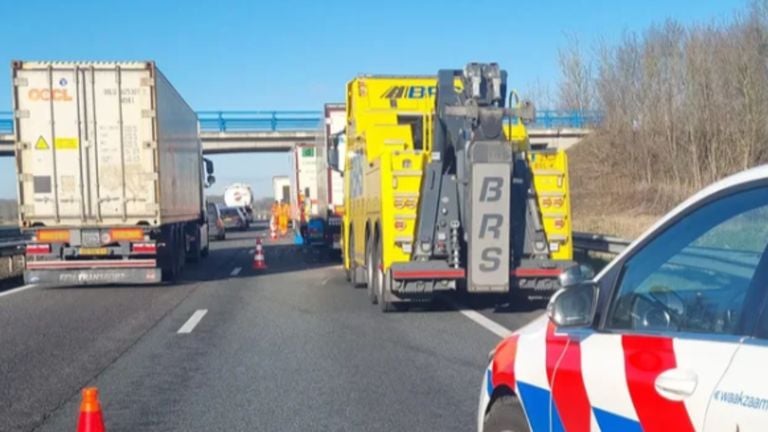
column 245, row 121
column 6, row 122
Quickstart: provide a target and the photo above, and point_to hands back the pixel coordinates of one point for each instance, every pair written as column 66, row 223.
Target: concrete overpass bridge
column 280, row 131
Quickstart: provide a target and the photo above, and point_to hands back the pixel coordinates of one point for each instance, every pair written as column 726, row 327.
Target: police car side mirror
column 576, row 275
column 573, row 306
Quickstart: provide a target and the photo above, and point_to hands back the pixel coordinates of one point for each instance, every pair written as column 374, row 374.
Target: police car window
column 695, row 276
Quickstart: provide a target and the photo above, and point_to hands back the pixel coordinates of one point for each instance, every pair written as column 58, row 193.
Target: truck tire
column 195, row 252
column 370, row 270
column 168, row 260
column 353, row 271
column 384, row 284
column 505, row 415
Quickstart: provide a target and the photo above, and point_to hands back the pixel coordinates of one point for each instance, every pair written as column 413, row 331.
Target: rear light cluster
column 552, row 202
column 38, row 249
column 400, row 225
column 144, row 248
column 401, row 203
column 124, row 234
column 559, row 223
column 61, row 236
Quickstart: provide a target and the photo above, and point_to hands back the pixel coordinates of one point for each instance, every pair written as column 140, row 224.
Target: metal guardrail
column 599, row 243
column 245, row 121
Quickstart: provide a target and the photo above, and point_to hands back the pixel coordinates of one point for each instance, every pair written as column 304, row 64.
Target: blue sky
column 273, row 55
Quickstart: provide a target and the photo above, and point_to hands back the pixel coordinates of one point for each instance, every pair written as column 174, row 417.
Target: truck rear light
column 559, row 223
column 558, row 202
column 144, row 248
column 38, row 249
column 126, row 234
column 400, row 225
column 546, row 202
column 399, row 203
column 61, row 236
column 410, row 203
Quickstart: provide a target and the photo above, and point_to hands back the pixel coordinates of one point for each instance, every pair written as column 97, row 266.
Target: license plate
column 94, row 251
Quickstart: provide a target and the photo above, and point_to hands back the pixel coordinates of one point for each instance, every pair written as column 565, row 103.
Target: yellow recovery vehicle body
column 388, row 153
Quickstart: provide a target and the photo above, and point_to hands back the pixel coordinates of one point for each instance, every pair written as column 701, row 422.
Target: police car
column 671, row 336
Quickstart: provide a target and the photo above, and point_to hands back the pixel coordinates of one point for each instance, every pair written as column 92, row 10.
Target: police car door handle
column 676, row 384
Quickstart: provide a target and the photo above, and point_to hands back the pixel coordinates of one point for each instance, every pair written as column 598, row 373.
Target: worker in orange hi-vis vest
column 285, row 213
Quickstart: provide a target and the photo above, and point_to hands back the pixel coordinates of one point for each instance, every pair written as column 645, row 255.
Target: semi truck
column 281, row 187
column 442, row 191
column 111, row 174
column 306, row 180
column 325, row 227
column 240, row 195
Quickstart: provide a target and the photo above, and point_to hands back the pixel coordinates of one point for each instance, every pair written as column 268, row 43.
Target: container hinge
column 148, row 113
column 21, row 114
column 147, row 82
column 20, row 82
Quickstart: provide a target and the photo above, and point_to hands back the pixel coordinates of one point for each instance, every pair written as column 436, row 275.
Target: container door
column 87, row 154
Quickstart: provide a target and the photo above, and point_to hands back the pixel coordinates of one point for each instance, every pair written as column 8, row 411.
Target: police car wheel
column 505, row 415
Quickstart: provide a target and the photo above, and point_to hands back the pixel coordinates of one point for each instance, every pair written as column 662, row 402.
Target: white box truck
column 330, row 189
column 110, row 173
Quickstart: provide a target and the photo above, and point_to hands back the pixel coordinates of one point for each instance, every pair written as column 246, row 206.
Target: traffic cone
column 258, row 256
column 90, row 412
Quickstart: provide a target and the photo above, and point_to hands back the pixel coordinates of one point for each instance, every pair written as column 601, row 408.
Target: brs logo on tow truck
column 409, row 92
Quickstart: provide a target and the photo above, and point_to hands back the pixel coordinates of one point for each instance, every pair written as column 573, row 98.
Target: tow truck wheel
column 505, row 415
column 370, row 271
column 383, row 284
column 353, row 272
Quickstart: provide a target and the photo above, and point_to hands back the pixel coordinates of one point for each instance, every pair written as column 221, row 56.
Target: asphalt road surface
column 294, row 348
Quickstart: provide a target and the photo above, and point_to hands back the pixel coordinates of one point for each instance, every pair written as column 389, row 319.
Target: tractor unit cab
column 478, row 221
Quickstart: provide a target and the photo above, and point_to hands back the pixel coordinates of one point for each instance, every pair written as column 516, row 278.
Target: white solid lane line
column 487, row 323
column 235, row 271
column 193, row 321
column 15, row 290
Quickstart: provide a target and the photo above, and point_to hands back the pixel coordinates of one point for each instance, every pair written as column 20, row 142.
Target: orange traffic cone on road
column 258, row 256
column 90, row 412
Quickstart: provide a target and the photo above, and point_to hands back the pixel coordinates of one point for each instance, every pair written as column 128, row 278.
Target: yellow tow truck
column 442, row 191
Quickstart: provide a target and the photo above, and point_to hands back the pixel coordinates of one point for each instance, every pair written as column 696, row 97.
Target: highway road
column 291, row 349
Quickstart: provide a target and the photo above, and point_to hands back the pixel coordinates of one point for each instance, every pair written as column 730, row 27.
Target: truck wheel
column 505, row 415
column 195, row 252
column 370, row 271
column 353, row 272
column 168, row 260
column 384, row 284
